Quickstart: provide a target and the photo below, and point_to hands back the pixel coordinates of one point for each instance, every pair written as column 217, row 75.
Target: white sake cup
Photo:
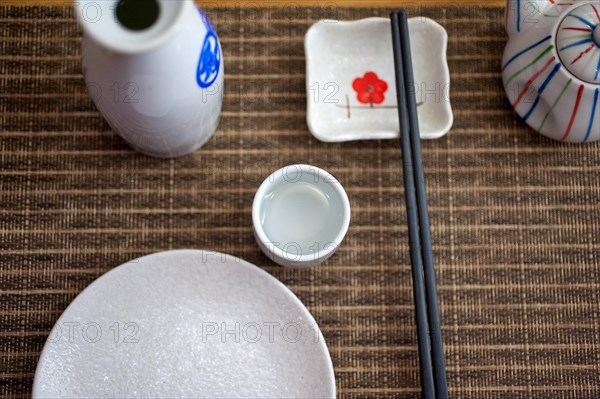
column 300, row 216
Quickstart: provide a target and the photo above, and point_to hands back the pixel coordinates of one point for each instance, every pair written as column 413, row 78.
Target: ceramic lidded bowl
column 551, row 66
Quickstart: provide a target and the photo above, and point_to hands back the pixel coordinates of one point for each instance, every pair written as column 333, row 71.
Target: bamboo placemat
column 515, row 217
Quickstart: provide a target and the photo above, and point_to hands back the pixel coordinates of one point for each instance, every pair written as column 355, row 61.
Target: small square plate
column 350, row 82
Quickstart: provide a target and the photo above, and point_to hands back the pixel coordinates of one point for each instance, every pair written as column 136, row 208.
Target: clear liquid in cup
column 302, row 217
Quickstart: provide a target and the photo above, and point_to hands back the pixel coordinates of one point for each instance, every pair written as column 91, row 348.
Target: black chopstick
column 425, row 364
column 435, row 329
column 431, row 354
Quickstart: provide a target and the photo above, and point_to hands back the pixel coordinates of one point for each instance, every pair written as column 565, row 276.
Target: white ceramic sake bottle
column 154, row 69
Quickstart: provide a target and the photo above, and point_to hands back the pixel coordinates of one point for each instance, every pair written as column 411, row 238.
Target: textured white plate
column 338, row 52
column 185, row 324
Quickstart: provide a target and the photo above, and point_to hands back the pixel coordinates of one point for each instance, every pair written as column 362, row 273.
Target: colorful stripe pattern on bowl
column 551, row 68
column 578, row 42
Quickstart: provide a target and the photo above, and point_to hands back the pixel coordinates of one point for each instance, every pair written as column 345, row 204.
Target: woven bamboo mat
column 515, row 217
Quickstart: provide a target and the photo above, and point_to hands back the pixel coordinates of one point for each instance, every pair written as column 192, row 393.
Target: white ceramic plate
column 339, row 52
column 185, row 324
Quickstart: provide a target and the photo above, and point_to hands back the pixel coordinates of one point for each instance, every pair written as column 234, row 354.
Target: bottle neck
column 131, row 26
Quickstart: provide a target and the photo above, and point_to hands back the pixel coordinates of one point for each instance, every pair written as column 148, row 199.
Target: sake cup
column 300, row 216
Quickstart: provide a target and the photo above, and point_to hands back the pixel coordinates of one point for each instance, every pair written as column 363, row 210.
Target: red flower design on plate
column 370, row 89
